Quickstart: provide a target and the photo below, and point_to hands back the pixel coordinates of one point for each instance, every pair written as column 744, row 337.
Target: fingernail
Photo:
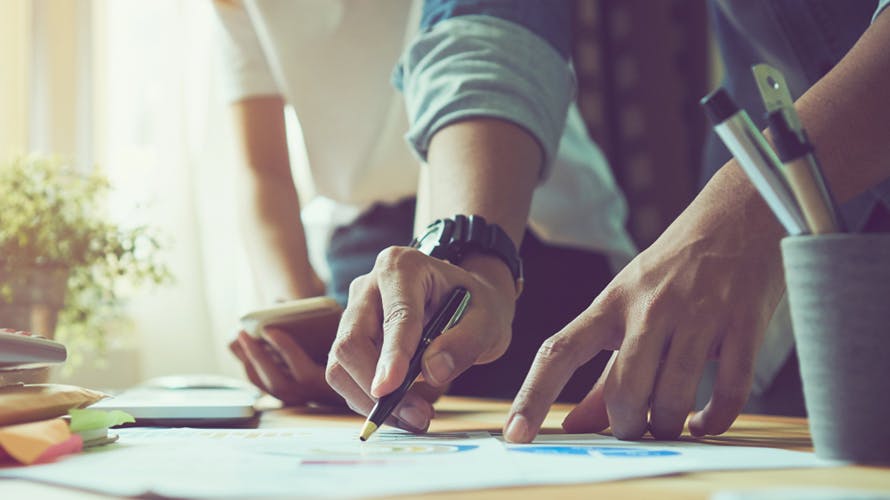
column 440, row 367
column 413, row 416
column 517, row 429
column 379, row 375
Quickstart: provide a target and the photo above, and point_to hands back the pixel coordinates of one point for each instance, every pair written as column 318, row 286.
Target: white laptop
column 188, row 401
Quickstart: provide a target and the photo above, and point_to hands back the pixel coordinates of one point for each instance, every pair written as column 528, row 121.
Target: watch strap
column 455, row 238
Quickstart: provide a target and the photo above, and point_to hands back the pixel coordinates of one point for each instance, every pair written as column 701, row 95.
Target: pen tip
column 367, row 430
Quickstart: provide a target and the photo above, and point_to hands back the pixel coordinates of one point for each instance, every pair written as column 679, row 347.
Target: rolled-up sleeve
column 496, row 59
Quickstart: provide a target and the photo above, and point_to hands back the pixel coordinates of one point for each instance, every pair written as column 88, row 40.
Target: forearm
column 268, row 203
column 486, row 167
column 274, row 238
column 487, row 88
column 847, row 115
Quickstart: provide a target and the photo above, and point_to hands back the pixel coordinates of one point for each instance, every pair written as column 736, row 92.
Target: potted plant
column 62, row 260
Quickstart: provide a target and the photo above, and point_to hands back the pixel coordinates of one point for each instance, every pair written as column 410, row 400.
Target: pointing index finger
column 556, row 361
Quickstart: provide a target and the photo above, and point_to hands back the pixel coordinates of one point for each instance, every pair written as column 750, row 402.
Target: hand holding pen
column 445, row 318
column 386, row 313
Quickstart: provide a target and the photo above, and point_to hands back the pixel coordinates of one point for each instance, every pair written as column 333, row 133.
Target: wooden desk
column 454, row 414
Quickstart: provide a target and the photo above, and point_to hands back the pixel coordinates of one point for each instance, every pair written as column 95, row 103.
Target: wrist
column 461, row 237
column 731, row 206
column 304, row 285
column 749, row 212
column 493, row 271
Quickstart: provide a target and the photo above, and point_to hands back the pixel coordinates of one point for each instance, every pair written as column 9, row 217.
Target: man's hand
column 382, row 324
column 706, row 289
column 278, row 365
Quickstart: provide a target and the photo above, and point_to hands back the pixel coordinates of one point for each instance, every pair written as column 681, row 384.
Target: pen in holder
column 838, row 283
column 839, row 296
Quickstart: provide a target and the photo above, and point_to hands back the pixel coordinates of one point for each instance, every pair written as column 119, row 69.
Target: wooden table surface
column 455, row 414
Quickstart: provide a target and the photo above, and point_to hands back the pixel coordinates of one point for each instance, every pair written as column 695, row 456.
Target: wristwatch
column 454, row 238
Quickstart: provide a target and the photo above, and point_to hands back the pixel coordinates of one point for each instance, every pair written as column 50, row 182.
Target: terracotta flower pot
column 37, row 295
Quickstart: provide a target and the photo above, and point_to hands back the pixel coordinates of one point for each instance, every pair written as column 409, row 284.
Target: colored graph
column 594, row 451
column 389, row 449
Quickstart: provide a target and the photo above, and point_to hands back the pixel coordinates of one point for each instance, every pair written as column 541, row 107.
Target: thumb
column 470, row 342
column 462, row 346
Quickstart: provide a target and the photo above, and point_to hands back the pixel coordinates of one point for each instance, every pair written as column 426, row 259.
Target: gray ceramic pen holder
column 839, row 296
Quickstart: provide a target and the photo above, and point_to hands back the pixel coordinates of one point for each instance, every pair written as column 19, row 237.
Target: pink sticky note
column 44, row 440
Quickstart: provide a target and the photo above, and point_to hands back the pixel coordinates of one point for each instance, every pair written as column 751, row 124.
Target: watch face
column 430, row 240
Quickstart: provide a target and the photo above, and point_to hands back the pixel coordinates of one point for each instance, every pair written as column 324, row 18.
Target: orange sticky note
column 43, row 440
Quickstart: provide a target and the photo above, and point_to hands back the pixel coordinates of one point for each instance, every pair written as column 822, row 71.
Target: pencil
column 802, row 171
column 446, row 317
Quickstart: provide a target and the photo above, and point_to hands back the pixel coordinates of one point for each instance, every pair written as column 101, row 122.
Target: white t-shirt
column 331, row 61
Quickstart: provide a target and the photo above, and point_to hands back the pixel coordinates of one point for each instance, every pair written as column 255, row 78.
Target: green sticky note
column 87, row 420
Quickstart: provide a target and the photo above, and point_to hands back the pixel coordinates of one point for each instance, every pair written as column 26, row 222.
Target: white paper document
column 331, row 462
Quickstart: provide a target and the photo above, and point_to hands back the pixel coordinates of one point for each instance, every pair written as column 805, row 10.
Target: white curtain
column 167, row 148
column 131, row 86
column 148, row 113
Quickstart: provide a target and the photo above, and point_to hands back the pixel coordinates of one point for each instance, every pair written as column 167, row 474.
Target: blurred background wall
column 642, row 67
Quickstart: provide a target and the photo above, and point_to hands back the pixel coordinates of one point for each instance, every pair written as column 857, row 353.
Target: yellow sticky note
column 28, row 442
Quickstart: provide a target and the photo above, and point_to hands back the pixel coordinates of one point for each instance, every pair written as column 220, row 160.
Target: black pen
column 445, row 318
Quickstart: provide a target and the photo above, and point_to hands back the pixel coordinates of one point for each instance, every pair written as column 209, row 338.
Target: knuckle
column 557, row 348
column 354, row 407
column 357, row 285
column 342, row 349
column 334, row 374
column 397, row 314
column 394, row 257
